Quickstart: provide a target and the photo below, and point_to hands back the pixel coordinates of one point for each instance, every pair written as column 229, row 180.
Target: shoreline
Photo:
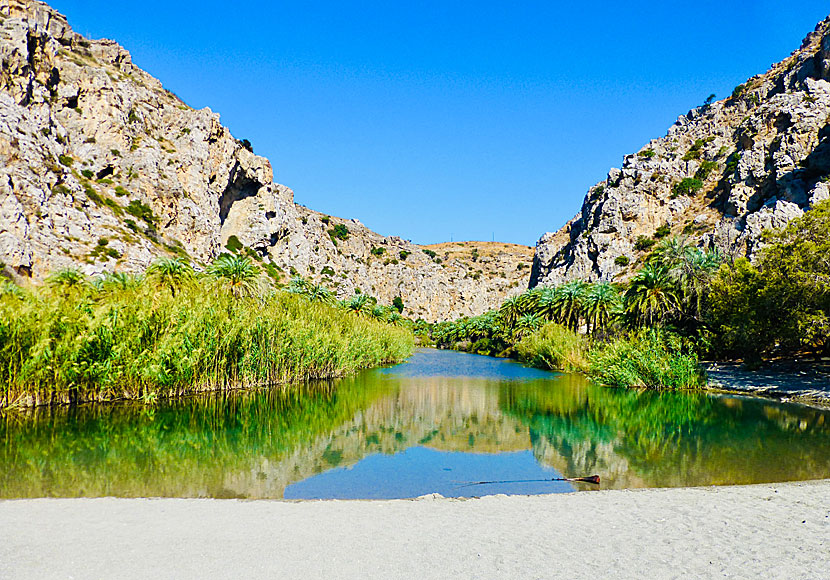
column 776, row 530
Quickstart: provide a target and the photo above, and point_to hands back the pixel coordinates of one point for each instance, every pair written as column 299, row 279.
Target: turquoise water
column 431, row 425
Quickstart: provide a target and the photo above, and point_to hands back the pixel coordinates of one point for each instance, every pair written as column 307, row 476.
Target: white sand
column 762, row 531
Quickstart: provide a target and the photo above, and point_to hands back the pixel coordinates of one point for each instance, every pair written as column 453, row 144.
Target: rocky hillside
column 723, row 173
column 100, row 166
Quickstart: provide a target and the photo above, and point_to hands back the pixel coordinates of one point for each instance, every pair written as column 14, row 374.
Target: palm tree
column 297, row 285
column 359, row 304
column 571, row 298
column 379, row 312
column 695, row 277
column 549, row 304
column 510, row 310
column 525, row 325
column 530, row 300
column 68, row 280
column 120, row 281
column 172, row 273
column 319, row 293
column 651, row 296
column 673, row 252
column 602, row 301
column 236, row 273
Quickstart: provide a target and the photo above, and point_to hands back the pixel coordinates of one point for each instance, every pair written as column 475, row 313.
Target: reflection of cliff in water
column 255, row 444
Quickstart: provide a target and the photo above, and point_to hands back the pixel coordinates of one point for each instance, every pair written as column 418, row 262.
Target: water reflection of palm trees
column 255, row 444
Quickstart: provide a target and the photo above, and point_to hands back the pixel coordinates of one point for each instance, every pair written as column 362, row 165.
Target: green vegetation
column 553, row 347
column 662, row 231
column 377, row 251
column 164, row 334
column 430, row 253
column 782, row 304
column 622, row 260
column 705, row 169
column 339, row 232
column 233, row 244
column 686, row 186
column 643, row 243
column 646, row 154
column 650, row 359
column 572, row 326
column 142, row 211
column 66, row 160
column 683, row 303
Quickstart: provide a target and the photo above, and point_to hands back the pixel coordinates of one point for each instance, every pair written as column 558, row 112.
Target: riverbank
column 772, row 530
column 806, row 382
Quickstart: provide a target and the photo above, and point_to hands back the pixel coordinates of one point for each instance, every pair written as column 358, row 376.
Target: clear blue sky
column 436, row 119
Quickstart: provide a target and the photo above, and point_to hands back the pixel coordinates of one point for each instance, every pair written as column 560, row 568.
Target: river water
column 434, row 424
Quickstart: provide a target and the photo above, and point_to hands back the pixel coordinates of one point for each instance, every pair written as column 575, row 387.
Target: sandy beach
column 769, row 531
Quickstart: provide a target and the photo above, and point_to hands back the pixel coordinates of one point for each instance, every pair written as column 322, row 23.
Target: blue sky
column 439, row 120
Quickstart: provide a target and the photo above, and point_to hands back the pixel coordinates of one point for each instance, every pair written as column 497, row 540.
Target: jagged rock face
column 761, row 157
column 100, row 166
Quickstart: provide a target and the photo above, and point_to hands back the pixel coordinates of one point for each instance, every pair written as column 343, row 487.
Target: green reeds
column 651, row 359
column 77, row 343
column 553, row 347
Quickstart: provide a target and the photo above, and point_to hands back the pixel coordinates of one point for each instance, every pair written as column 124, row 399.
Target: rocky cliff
column 723, row 173
column 100, row 166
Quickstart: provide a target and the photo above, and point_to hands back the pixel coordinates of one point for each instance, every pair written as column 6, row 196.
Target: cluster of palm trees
column 235, row 274
column 238, row 275
column 670, row 289
column 359, row 304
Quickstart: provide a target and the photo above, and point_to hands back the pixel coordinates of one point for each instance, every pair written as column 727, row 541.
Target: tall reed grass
column 651, row 359
column 553, row 347
column 76, row 343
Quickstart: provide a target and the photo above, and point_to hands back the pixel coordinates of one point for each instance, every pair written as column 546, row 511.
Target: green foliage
column 325, row 219
column 732, row 163
column 119, row 190
column 397, row 304
column 233, row 244
column 141, row 211
column 662, row 231
column 738, row 91
column 429, row 253
column 622, row 260
column 650, row 359
column 652, row 296
column 686, row 186
column 66, row 160
column 705, row 169
column 173, row 274
column 237, row 274
column 70, row 342
column 646, row 154
column 377, row 251
column 643, row 243
column 339, row 232
column 784, row 303
column 87, row 173
column 553, row 347
column 404, row 254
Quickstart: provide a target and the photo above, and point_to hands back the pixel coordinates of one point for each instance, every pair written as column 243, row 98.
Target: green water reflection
column 255, row 444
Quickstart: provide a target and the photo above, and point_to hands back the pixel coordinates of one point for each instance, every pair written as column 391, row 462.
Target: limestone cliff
column 100, row 166
column 722, row 174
